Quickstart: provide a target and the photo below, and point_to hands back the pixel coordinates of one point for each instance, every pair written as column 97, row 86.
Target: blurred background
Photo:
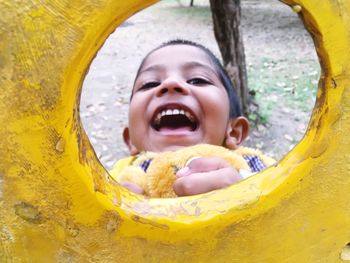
column 279, row 61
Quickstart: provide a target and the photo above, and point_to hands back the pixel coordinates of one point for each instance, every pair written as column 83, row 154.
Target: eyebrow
column 187, row 65
column 152, row 68
column 195, row 64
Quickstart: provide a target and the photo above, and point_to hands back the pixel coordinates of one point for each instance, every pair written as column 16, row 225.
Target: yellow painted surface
column 58, row 205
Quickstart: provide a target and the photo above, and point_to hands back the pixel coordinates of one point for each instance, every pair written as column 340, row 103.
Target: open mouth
column 174, row 119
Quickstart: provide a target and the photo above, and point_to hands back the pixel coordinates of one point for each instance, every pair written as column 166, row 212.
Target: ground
column 281, row 60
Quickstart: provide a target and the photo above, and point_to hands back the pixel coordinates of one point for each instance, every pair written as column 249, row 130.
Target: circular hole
column 107, row 86
column 281, row 64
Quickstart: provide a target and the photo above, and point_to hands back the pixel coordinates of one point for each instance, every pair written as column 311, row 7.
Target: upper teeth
column 173, row 112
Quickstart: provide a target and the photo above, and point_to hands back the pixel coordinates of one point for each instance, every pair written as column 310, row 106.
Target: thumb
column 186, row 170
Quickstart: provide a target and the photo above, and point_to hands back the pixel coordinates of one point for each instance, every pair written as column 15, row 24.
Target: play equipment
column 57, row 203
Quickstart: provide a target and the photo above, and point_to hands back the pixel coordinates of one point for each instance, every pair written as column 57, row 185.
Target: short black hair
column 235, row 110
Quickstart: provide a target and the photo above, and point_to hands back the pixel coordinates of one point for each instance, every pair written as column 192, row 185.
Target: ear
column 127, row 141
column 237, row 132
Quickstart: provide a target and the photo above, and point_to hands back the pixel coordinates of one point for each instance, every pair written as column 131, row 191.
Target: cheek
column 217, row 105
column 137, row 105
column 138, row 116
column 135, row 116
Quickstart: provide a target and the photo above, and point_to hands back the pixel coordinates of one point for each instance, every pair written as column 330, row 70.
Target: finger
column 132, row 187
column 206, row 164
column 198, row 183
column 183, row 172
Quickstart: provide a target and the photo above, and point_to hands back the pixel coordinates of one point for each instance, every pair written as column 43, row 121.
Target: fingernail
column 191, row 159
column 183, row 172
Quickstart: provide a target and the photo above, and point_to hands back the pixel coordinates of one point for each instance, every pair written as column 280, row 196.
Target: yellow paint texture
column 57, row 203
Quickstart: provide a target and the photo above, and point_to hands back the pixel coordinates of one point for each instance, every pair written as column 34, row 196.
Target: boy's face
column 178, row 100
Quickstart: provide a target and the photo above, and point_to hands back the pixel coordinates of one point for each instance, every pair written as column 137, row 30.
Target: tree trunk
column 191, row 4
column 226, row 20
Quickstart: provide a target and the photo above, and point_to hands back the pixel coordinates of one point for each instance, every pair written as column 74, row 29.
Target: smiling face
column 178, row 100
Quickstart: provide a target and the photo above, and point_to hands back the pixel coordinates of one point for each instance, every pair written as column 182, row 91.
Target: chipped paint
column 345, row 254
column 60, row 145
column 297, row 8
column 28, row 212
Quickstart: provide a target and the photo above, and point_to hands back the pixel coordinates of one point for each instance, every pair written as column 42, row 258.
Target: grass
column 275, row 85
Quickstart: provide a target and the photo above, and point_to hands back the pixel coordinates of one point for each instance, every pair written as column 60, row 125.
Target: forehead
column 176, row 55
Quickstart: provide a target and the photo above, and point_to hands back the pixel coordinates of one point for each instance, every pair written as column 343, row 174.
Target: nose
column 173, row 85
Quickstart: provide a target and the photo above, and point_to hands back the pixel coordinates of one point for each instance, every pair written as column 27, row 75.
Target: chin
column 172, row 147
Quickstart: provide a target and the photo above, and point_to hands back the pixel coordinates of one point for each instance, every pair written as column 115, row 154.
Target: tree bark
column 226, row 20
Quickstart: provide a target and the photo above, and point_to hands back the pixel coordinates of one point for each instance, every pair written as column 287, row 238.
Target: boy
column 182, row 96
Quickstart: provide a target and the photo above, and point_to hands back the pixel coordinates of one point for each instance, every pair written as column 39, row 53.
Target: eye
column 149, row 85
column 198, row 81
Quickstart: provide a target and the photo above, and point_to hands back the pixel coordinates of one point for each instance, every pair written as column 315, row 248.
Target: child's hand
column 132, row 187
column 203, row 175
